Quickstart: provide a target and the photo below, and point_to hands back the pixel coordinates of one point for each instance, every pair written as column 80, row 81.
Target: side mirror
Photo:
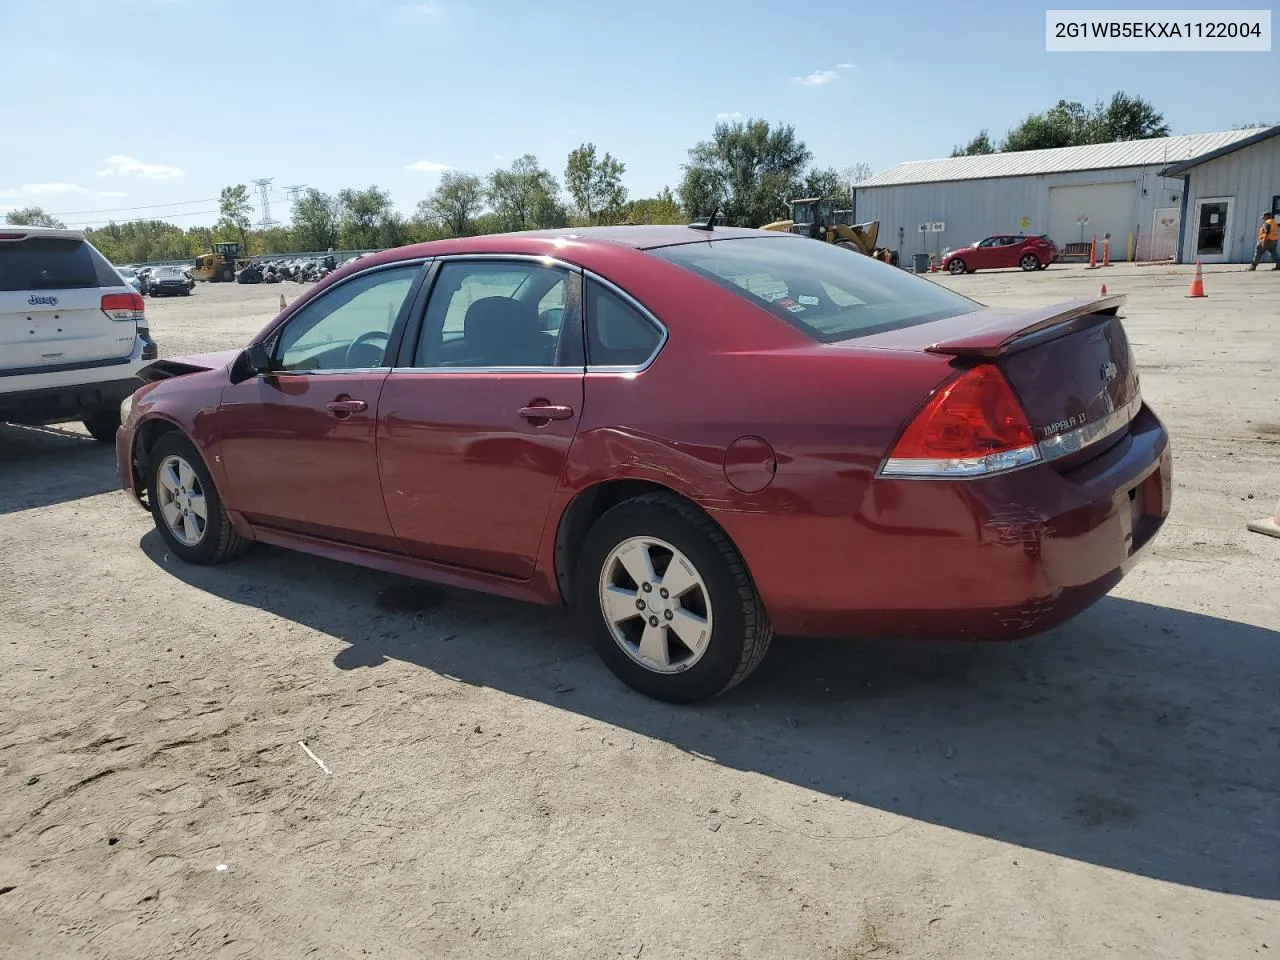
column 258, row 358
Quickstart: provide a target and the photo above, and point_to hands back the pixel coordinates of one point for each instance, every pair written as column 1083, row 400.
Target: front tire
column 185, row 504
column 103, row 424
column 956, row 267
column 668, row 601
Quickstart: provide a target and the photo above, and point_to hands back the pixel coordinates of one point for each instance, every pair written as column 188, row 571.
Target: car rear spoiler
column 1026, row 329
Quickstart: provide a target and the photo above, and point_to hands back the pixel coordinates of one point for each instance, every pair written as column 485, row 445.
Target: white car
column 73, row 332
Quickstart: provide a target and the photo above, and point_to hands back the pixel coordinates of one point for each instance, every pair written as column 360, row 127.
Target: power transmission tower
column 292, row 192
column 264, row 203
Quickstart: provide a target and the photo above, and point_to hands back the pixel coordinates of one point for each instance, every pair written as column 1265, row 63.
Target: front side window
column 825, row 291
column 501, row 313
column 347, row 327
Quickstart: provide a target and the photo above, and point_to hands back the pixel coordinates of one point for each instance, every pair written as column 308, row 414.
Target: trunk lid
column 51, row 316
column 1070, row 364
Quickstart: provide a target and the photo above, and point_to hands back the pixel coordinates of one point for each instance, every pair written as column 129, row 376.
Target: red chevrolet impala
column 693, row 436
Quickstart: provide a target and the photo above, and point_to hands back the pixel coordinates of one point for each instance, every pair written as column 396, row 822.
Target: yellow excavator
column 819, row 219
column 219, row 266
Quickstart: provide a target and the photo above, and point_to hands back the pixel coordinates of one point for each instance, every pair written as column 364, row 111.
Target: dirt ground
column 1110, row 789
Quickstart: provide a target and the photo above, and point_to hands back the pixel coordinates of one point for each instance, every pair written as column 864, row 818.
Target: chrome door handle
column 546, row 411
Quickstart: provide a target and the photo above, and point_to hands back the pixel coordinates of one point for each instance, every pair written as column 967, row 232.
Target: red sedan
column 694, row 437
column 1001, row 252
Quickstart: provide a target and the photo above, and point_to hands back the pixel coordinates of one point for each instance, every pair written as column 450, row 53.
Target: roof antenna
column 709, row 223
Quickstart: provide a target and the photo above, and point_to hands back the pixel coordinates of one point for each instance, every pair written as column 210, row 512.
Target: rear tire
column 708, row 634
column 103, row 424
column 179, row 487
column 1029, row 262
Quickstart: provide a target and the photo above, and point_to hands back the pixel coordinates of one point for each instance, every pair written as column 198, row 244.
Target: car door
column 297, row 444
column 984, row 254
column 475, row 422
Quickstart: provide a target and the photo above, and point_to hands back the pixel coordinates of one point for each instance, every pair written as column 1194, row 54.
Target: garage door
column 1110, row 207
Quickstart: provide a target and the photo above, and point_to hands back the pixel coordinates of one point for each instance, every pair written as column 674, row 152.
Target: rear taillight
column 974, row 426
column 124, row 306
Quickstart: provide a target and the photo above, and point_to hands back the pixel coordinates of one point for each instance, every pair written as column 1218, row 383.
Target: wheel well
column 148, row 435
column 582, row 512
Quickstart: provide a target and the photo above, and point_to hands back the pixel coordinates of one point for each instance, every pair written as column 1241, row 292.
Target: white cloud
column 499, row 157
column 732, row 115
column 41, row 189
column 122, row 166
column 112, row 193
column 428, row 166
column 817, row 78
column 846, row 66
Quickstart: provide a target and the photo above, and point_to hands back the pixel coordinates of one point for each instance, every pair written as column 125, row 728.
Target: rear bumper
column 62, row 404
column 995, row 559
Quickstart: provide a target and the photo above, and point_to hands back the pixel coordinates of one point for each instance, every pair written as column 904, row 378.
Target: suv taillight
column 974, row 426
column 124, row 306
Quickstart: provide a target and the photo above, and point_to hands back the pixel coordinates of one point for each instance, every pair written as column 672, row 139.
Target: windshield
column 167, row 272
column 826, row 291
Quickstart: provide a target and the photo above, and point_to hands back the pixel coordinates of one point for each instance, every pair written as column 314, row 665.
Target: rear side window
column 823, row 290
column 618, row 335
column 50, row 263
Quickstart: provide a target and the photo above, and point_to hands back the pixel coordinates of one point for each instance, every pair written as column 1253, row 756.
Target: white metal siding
column 1251, row 177
column 973, row 209
column 1111, row 208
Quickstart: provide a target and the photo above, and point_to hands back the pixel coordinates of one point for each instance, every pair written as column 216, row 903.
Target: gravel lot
column 1110, row 789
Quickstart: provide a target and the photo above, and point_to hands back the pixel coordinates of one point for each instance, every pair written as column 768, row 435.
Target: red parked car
column 694, row 437
column 1004, row 251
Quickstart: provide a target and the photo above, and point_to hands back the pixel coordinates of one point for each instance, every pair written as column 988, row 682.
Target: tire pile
column 297, row 270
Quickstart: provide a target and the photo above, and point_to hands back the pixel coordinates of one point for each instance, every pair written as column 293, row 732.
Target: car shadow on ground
column 1139, row 738
column 44, row 466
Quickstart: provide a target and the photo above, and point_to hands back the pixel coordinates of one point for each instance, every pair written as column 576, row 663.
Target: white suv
column 73, row 333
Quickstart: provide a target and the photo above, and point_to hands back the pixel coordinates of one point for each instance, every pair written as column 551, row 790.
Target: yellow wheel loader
column 819, row 219
column 221, row 265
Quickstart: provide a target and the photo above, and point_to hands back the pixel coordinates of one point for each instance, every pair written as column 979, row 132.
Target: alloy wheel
column 182, row 500
column 656, row 604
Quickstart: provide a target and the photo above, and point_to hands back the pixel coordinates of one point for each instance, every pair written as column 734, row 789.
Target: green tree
column 315, row 221
column 1071, row 124
column 32, row 217
column 595, row 184
column 1127, row 118
column 746, row 169
column 978, row 145
column 526, row 196
column 366, row 217
column 454, row 205
column 829, row 183
column 235, row 212
column 660, row 209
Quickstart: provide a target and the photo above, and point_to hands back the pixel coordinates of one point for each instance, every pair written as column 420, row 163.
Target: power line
column 146, row 206
column 183, row 213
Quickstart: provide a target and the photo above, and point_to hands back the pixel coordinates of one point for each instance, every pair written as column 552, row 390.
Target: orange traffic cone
column 1102, row 290
column 1106, row 251
column 1268, row 525
column 1093, row 254
column 1197, row 283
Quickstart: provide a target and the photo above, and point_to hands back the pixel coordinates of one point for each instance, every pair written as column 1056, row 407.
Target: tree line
column 747, row 171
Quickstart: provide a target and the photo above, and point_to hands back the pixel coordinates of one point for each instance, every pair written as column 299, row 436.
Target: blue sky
column 132, row 103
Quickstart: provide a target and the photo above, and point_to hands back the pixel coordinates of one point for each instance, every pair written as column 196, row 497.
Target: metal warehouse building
column 1186, row 196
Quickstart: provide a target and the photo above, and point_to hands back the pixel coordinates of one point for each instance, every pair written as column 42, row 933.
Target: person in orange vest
column 1268, row 236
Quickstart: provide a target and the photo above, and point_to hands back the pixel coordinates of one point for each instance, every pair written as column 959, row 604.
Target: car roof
column 15, row 232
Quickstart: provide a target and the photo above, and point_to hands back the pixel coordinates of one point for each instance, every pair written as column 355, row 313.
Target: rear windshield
column 826, row 291
column 48, row 263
